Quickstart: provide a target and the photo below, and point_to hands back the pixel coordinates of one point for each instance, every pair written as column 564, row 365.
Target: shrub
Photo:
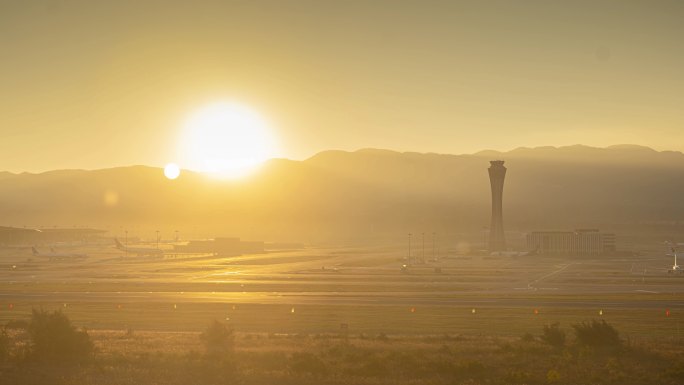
column 218, row 338
column 54, row 338
column 597, row 334
column 527, row 337
column 553, row 335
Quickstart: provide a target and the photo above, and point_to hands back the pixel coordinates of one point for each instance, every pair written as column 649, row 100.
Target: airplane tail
column 118, row 244
column 34, row 251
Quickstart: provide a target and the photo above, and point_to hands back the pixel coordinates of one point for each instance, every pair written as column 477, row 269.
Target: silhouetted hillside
column 364, row 194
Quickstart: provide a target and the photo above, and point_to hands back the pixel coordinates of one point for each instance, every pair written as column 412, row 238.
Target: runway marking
column 529, row 285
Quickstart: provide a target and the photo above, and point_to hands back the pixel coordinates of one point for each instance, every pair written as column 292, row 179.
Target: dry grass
column 179, row 358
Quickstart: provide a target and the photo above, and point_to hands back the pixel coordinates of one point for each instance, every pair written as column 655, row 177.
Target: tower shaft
column 497, row 174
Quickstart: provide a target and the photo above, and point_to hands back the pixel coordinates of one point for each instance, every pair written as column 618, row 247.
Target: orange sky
column 89, row 84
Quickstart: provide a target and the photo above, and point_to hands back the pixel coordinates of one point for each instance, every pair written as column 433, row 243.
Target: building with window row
column 581, row 242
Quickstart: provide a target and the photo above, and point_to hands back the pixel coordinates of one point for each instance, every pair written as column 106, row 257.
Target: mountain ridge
column 380, row 151
column 365, row 193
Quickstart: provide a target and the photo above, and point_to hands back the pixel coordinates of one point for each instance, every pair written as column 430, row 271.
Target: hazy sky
column 90, row 84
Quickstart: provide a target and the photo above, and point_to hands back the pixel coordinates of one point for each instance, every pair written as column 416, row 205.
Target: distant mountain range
column 365, row 194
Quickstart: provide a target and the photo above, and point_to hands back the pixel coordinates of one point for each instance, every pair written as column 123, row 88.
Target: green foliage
column 218, row 338
column 55, row 339
column 597, row 334
column 553, row 335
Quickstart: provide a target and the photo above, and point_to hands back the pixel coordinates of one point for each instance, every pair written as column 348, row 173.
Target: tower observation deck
column 497, row 174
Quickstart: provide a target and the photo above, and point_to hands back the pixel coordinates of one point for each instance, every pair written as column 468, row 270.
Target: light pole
column 409, row 250
column 433, row 245
column 126, row 243
column 422, row 254
column 157, row 231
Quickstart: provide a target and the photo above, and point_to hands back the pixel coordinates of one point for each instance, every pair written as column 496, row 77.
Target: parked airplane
column 138, row 250
column 510, row 253
column 54, row 254
column 514, row 253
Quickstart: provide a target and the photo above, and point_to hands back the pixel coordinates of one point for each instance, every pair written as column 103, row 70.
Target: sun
column 171, row 171
column 226, row 139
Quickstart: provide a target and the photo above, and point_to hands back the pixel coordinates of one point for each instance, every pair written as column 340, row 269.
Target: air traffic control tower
column 497, row 173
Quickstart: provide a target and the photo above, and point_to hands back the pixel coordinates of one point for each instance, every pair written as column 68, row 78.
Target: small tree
column 54, row 338
column 218, row 338
column 597, row 334
column 553, row 335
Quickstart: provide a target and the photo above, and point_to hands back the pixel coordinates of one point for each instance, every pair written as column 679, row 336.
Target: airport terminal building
column 581, row 242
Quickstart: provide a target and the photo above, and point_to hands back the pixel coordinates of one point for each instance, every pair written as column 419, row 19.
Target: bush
column 55, row 339
column 553, row 335
column 218, row 338
column 597, row 334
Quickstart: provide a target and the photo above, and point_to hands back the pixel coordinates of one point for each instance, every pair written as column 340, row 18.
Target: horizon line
column 361, row 149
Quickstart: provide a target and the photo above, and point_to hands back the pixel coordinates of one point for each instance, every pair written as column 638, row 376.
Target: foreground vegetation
column 49, row 350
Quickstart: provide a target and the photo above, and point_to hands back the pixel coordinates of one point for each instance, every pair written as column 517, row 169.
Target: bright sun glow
column 171, row 171
column 226, row 139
